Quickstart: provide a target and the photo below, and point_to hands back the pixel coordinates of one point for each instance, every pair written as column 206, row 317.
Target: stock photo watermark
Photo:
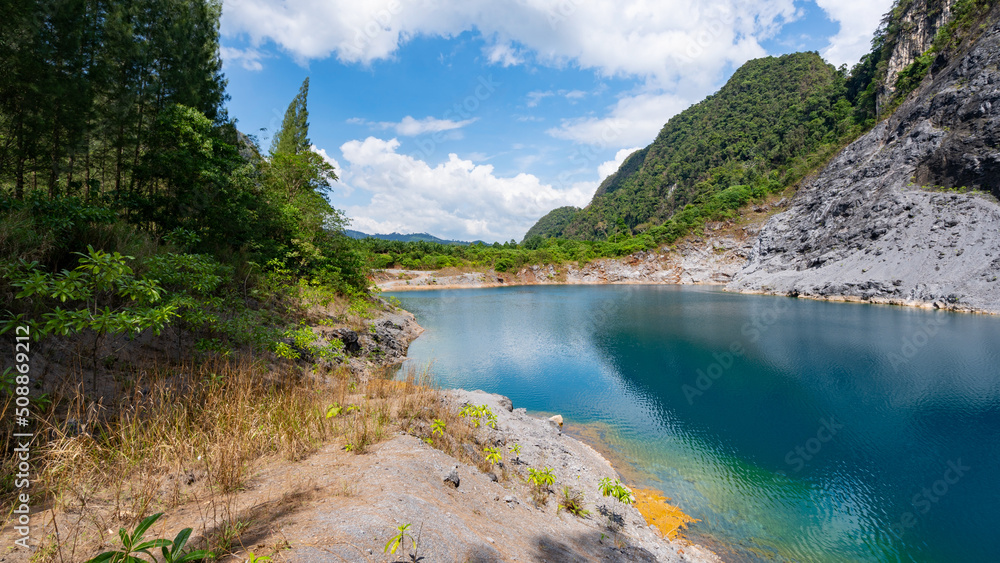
column 800, row 455
column 751, row 332
column 463, row 110
column 923, row 501
column 22, row 438
column 913, row 344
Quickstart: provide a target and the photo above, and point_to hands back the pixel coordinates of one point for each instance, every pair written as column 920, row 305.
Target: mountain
column 418, row 237
column 909, row 212
column 760, row 129
column 553, row 224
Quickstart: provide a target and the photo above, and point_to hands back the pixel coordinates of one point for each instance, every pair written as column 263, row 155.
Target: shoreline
column 908, row 303
column 654, row 508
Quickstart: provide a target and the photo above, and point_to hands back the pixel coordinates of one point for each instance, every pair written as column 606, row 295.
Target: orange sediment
column 658, row 512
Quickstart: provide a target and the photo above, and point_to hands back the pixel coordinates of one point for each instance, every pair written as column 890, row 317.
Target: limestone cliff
column 907, row 213
column 918, row 23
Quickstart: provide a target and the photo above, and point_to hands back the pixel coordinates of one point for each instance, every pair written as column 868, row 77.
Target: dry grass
column 107, row 467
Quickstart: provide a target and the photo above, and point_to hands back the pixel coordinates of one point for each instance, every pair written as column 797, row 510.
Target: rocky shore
column 463, row 514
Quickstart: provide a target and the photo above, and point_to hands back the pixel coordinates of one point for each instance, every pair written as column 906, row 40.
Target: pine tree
column 293, row 137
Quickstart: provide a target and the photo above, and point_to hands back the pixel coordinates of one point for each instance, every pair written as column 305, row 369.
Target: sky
column 471, row 119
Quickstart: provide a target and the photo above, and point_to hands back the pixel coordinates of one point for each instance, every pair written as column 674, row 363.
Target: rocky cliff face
column 869, row 228
column 919, row 22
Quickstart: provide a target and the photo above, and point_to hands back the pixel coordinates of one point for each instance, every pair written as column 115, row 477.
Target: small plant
column 257, row 558
column 478, row 414
column 492, row 455
column 541, row 479
column 616, row 490
column 399, row 541
column 572, row 502
column 334, row 410
column 438, row 427
column 176, row 555
column 348, row 447
column 516, row 449
column 133, row 544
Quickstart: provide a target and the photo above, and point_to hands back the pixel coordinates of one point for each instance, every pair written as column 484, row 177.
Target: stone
column 452, row 478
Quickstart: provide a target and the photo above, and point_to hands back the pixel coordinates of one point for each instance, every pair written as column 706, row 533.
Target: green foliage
column 516, row 450
column 772, row 112
column 293, row 137
column 616, row 490
column 551, row 225
column 109, row 298
column 479, row 414
column 493, row 455
column 438, row 427
column 174, row 553
column 399, row 540
column 134, row 544
column 572, row 501
column 542, row 477
column 541, row 480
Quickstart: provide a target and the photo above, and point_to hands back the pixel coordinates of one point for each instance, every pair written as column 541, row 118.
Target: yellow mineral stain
column 658, row 511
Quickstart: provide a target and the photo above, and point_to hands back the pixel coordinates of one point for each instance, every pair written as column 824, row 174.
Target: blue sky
column 472, row 119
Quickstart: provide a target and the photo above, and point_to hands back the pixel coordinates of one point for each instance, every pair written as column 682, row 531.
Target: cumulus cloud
column 633, row 120
column 667, row 39
column 247, row 58
column 411, row 127
column 858, row 21
column 456, row 199
column 610, row 167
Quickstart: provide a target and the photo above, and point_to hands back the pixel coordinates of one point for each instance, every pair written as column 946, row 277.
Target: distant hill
column 418, row 237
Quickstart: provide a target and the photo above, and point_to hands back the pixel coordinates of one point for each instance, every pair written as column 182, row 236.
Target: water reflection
column 793, row 429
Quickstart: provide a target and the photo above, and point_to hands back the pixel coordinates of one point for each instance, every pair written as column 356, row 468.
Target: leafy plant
column 399, row 540
column 438, row 427
column 616, row 490
column 572, row 502
column 478, row 414
column 516, row 449
column 175, row 553
column 257, row 558
column 492, row 455
column 540, row 480
column 133, row 544
column 542, row 477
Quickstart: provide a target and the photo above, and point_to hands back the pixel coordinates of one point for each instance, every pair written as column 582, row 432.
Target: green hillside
column 759, row 130
column 553, row 224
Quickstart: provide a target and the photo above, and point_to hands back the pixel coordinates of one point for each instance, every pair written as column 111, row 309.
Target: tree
column 293, row 137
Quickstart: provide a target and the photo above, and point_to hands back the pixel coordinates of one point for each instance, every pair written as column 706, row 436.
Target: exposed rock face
column 865, row 228
column 919, row 22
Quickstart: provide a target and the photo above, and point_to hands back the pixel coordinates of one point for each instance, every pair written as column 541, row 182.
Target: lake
column 795, row 430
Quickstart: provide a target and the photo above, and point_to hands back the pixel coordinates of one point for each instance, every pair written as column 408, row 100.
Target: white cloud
column 340, row 187
column 671, row 40
column 456, row 199
column 247, row 58
column 634, row 120
column 858, row 21
column 610, row 167
column 504, row 54
column 411, row 127
column 534, row 98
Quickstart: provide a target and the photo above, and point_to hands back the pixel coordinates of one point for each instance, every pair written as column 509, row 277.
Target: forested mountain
column 759, row 129
column 417, row 237
column 774, row 121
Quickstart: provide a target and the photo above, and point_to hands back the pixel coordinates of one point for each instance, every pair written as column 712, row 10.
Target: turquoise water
column 794, row 430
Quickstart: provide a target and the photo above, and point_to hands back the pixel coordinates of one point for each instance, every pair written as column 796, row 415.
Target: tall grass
column 104, row 466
